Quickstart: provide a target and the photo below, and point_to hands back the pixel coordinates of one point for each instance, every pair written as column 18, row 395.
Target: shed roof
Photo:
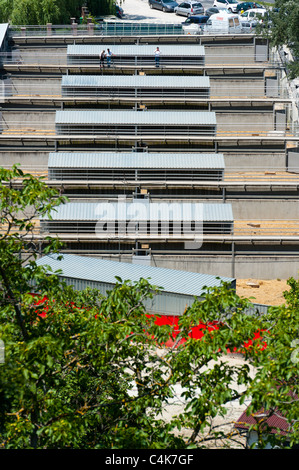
column 138, row 81
column 143, row 210
column 104, row 271
column 115, row 117
column 177, row 50
column 274, row 421
column 136, row 160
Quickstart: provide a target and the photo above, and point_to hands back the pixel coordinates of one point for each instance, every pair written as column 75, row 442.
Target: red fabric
column 172, row 320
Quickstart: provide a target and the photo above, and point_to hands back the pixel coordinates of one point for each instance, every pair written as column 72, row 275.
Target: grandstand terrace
column 228, row 101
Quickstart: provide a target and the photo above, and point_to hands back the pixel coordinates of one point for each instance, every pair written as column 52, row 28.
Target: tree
column 275, row 387
column 41, row 12
column 85, row 370
column 284, row 30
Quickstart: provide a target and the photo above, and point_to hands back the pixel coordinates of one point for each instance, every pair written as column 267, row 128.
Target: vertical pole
column 233, row 259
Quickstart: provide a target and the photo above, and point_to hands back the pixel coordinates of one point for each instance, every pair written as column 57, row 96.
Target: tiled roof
column 275, row 423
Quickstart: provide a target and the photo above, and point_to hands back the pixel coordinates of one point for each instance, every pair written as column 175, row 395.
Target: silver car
column 189, row 9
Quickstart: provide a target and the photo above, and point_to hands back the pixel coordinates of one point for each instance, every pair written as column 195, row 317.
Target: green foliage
column 41, row 12
column 284, row 30
column 90, row 371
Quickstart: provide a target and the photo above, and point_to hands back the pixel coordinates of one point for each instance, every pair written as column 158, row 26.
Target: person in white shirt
column 109, row 57
column 157, row 57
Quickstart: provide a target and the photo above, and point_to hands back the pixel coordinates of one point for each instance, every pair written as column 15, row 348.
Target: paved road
column 139, row 10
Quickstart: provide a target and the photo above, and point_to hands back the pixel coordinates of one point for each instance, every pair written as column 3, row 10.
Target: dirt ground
column 268, row 292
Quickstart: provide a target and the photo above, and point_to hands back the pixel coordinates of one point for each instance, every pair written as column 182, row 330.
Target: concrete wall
column 245, row 267
column 34, row 86
column 239, row 55
column 265, row 209
column 42, row 55
column 246, row 122
column 30, row 161
column 240, row 88
column 248, row 161
column 35, row 121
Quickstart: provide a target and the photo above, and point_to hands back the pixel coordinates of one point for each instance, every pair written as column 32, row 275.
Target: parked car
column 194, row 24
column 243, row 6
column 119, row 11
column 230, row 5
column 189, row 9
column 254, row 14
column 211, row 11
column 248, row 26
column 223, row 23
column 164, row 5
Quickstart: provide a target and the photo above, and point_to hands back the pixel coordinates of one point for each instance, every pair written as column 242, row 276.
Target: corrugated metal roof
column 104, row 271
column 136, row 160
column 177, row 50
column 142, row 210
column 91, row 116
column 135, row 81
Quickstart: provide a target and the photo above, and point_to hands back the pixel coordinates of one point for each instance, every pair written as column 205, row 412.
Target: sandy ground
column 268, row 292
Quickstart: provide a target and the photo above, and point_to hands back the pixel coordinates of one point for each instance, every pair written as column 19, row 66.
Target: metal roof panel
column 177, row 50
column 115, row 117
column 104, row 271
column 136, row 160
column 85, row 211
column 135, row 81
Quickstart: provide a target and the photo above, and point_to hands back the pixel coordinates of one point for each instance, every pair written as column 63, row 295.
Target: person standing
column 109, row 57
column 102, row 59
column 157, row 57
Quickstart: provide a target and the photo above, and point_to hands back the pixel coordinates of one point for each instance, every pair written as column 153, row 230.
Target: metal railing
column 129, row 230
column 135, row 130
column 120, row 28
column 97, row 29
column 135, row 175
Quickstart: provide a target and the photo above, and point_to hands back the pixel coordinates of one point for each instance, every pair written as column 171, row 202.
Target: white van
column 223, row 22
column 254, row 14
